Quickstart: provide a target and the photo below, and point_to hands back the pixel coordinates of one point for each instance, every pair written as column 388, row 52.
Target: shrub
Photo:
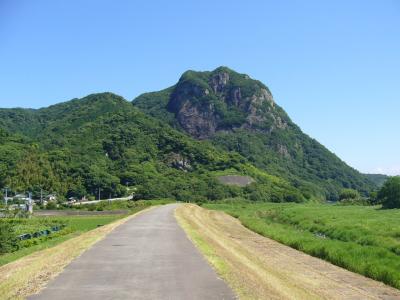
column 389, row 194
column 347, row 194
column 51, row 205
column 8, row 240
column 355, row 201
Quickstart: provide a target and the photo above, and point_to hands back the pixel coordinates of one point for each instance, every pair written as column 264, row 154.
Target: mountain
column 103, row 141
column 183, row 142
column 41, row 122
column 378, row 179
column 239, row 114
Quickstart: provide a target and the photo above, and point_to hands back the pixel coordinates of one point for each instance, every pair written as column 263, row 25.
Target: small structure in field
column 72, row 200
column 20, row 197
column 51, row 197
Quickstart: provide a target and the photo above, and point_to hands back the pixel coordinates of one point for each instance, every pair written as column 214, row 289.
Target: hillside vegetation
column 378, row 179
column 103, row 142
column 171, row 144
column 239, row 114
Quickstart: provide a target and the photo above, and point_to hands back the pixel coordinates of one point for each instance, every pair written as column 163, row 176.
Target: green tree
column 7, row 237
column 389, row 194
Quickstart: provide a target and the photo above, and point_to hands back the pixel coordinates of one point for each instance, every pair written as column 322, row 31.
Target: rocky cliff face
column 208, row 102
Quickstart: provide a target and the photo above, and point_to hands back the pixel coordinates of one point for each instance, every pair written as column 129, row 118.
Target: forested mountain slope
column 237, row 113
column 172, row 143
column 378, row 179
column 103, row 141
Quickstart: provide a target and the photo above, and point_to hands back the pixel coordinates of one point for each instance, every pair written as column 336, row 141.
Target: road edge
column 242, row 270
column 207, row 251
column 29, row 274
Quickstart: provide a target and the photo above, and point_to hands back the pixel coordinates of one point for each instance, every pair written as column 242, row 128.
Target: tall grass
column 362, row 239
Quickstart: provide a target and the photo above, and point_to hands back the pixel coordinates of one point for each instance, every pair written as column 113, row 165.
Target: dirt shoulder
column 28, row 275
column 260, row 268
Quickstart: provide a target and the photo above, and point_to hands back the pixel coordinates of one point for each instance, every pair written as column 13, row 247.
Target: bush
column 389, row 194
column 51, row 205
column 8, row 240
column 347, row 194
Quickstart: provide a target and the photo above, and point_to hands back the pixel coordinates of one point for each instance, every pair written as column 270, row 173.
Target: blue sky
column 334, row 66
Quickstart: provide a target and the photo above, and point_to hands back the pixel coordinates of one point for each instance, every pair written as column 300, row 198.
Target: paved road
column 104, row 200
column 149, row 257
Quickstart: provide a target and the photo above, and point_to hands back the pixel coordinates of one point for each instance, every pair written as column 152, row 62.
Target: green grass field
column 75, row 226
column 362, row 239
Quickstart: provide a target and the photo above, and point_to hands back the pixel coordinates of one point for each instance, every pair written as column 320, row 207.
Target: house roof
column 20, row 196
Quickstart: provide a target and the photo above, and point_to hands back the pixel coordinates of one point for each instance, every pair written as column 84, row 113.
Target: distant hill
column 239, row 114
column 377, row 179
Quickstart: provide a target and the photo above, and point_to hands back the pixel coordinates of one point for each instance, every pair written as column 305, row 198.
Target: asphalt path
column 148, row 257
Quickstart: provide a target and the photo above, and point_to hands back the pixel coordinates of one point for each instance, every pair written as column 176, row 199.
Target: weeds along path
column 257, row 267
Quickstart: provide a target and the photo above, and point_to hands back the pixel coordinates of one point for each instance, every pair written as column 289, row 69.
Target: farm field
column 70, row 226
column 75, row 226
column 362, row 239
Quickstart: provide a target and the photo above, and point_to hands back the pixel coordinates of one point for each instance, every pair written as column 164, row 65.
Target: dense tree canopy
column 389, row 194
column 102, row 142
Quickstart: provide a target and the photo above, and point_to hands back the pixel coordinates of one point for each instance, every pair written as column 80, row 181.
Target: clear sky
column 334, row 66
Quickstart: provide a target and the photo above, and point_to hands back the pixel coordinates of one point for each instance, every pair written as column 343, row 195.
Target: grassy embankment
column 365, row 240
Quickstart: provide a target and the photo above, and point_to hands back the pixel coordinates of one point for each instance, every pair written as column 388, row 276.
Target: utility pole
column 127, row 188
column 41, row 196
column 99, row 193
column 6, row 198
column 30, row 205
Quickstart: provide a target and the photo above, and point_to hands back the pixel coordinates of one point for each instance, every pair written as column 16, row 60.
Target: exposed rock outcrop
column 178, row 161
column 207, row 102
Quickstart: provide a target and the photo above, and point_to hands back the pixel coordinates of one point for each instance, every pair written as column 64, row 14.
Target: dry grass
column 260, row 268
column 31, row 273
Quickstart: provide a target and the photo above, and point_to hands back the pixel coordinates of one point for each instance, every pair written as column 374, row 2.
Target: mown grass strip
column 216, row 261
column 241, row 269
column 261, row 268
column 361, row 239
column 31, row 273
